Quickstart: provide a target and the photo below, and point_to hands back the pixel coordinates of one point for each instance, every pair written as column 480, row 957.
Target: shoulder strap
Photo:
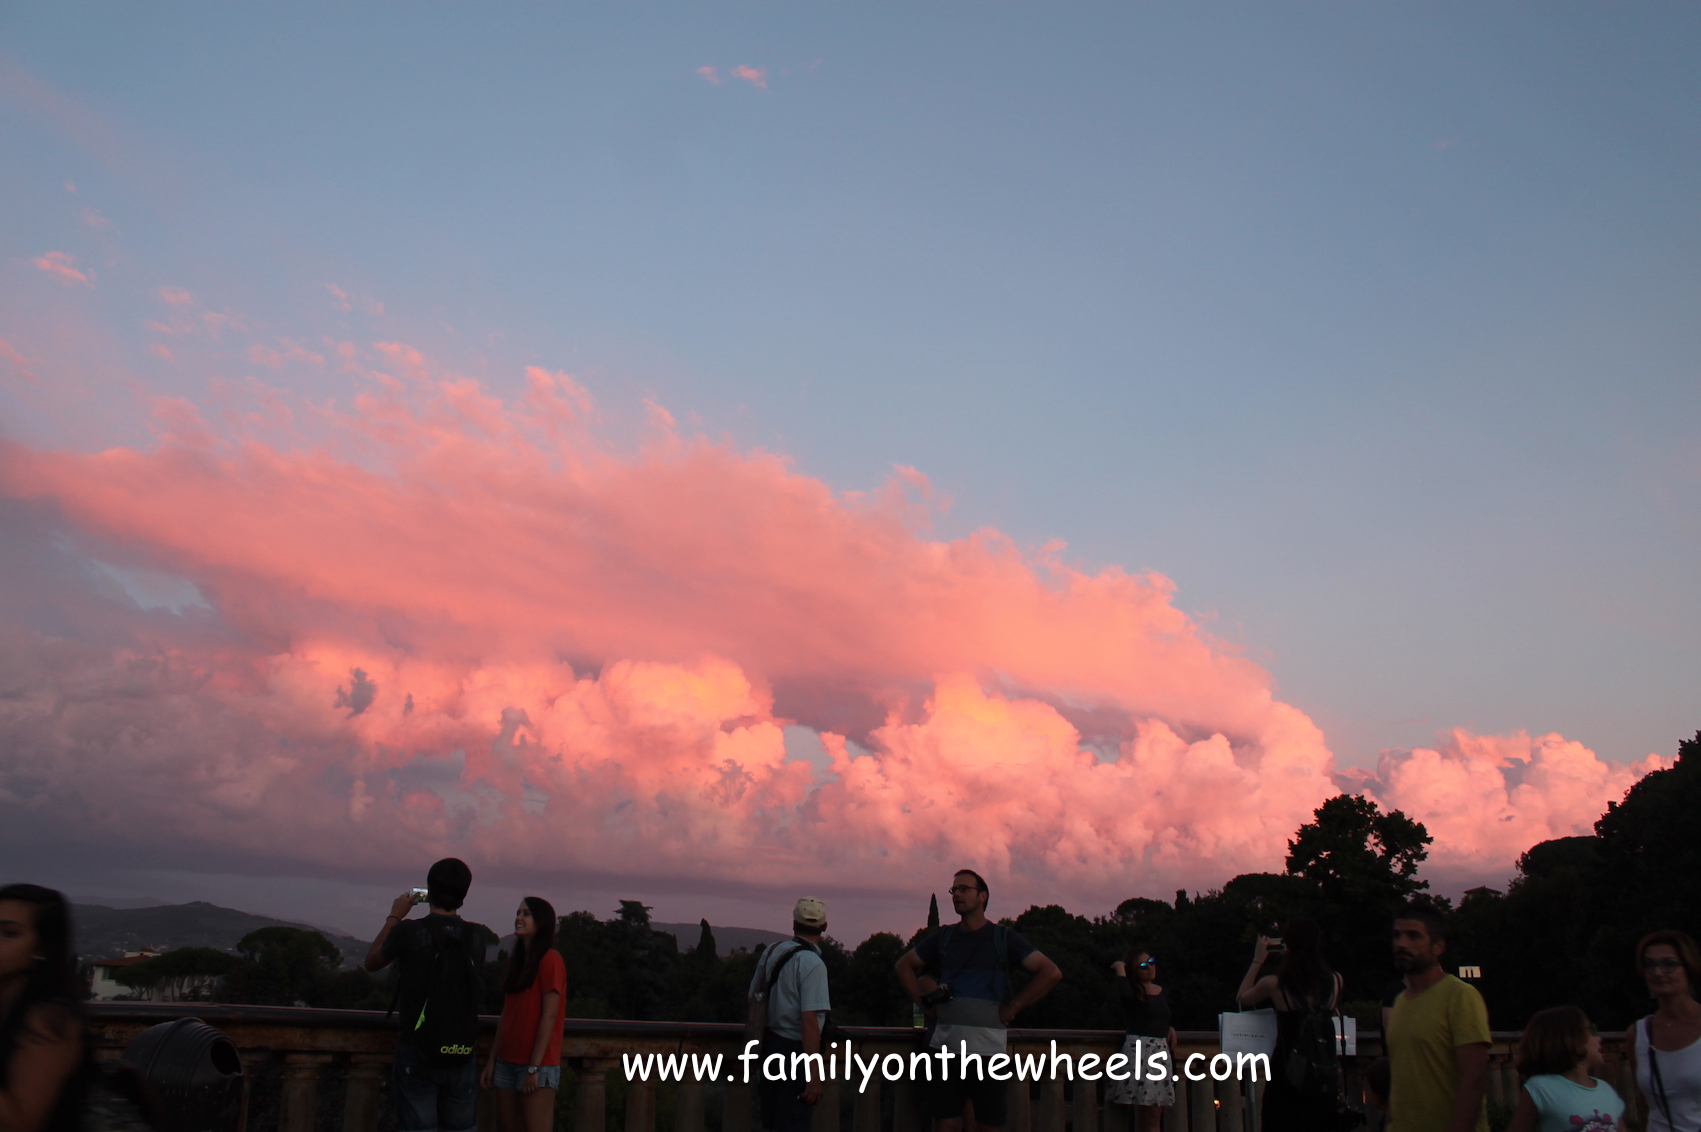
column 1654, row 1070
column 944, row 935
column 774, row 971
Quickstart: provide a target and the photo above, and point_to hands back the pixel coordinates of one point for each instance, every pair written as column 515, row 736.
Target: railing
column 328, row 1071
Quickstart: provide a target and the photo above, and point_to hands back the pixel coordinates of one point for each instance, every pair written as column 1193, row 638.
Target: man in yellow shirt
column 1437, row 1037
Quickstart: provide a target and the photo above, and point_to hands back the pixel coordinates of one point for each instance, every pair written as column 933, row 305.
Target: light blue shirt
column 802, row 985
column 1566, row 1106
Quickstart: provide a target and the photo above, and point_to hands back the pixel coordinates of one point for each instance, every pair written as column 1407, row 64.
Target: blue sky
column 1372, row 326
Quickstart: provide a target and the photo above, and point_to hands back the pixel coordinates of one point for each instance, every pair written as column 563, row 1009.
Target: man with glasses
column 1437, row 1037
column 961, row 975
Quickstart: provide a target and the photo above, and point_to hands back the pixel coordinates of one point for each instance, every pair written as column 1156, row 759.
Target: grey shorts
column 511, row 1076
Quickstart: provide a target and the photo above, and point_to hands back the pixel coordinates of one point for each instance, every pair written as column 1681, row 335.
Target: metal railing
column 328, row 1071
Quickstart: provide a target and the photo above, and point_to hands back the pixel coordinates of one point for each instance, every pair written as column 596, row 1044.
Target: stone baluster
column 1177, row 1118
column 737, row 1102
column 688, row 1107
column 1019, row 1107
column 906, row 1107
column 1201, row 1104
column 1084, row 1107
column 299, row 1098
column 1049, row 1118
column 1231, row 1117
column 1117, row 1117
column 590, row 1107
column 365, row 1084
column 640, row 1106
column 826, row 1115
column 867, row 1115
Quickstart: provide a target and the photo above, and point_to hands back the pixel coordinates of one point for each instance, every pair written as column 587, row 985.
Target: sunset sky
column 706, row 453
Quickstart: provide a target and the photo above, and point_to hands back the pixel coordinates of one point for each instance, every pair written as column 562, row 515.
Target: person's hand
column 401, row 906
column 1119, row 969
column 1006, row 1012
column 487, row 1076
column 528, row 1084
column 812, row 1092
column 1261, row 950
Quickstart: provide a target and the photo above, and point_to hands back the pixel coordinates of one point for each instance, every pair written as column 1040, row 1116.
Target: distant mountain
column 727, row 940
column 104, row 932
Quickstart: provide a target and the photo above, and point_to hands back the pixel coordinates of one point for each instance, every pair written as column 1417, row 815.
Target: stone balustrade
column 328, row 1071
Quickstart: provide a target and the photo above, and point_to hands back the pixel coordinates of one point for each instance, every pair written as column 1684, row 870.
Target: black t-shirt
column 969, row 962
column 1142, row 1017
column 410, row 947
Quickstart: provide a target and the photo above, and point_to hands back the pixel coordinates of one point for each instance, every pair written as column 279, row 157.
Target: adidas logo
column 453, row 1051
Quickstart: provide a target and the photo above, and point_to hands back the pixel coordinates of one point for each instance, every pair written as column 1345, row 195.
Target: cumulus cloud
column 64, row 268
column 755, row 76
column 435, row 620
column 710, row 76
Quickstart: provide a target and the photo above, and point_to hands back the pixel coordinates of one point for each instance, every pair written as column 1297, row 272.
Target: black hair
column 52, row 980
column 1433, row 920
column 447, row 883
column 1303, row 967
column 980, row 881
column 523, row 964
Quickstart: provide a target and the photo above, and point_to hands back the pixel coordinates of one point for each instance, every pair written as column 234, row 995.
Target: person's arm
column 546, row 1020
column 1045, row 976
column 1631, row 1037
column 1472, row 1061
column 49, row 1047
column 1249, row 984
column 399, row 908
column 811, row 1044
column 1263, row 990
column 487, row 1075
column 1526, row 1116
column 911, row 968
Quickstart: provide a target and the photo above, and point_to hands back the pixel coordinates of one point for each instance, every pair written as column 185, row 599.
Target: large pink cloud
column 436, row 620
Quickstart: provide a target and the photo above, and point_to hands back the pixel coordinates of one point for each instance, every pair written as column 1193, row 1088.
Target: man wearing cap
column 795, row 979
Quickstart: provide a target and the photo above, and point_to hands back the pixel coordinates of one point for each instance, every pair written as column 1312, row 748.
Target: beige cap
column 809, row 912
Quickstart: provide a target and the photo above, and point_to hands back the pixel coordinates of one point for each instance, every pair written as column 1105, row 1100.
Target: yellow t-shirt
column 1422, row 1036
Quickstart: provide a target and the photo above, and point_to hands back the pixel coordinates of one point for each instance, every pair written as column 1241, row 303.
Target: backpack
column 756, row 1019
column 447, row 1025
column 1310, row 1062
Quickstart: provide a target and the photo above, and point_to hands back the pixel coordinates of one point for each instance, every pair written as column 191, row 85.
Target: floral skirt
column 1138, row 1090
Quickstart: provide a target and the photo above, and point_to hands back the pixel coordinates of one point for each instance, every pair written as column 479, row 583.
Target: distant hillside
column 104, row 933
column 727, row 940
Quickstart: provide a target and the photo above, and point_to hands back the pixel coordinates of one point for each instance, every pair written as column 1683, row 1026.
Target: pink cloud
column 709, row 75
column 161, row 352
column 16, row 360
column 64, row 267
column 176, row 296
column 577, row 657
column 339, row 297
column 96, row 219
column 755, row 76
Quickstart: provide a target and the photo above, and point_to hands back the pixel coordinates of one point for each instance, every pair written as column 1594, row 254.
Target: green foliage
column 180, row 974
column 283, row 966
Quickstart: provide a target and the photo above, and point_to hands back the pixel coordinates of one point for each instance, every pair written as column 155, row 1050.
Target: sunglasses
column 1661, row 964
column 1147, row 963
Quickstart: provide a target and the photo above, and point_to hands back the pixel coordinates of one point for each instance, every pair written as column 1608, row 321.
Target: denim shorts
column 434, row 1098
column 511, row 1076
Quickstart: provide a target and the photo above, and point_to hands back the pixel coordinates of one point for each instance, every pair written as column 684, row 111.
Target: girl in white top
column 1555, row 1056
column 1666, row 1045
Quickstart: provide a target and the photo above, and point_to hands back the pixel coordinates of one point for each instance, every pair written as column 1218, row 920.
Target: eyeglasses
column 1661, row 964
column 961, row 888
column 1143, row 964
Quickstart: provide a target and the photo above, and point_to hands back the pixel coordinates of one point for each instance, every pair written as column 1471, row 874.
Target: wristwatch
column 531, row 1071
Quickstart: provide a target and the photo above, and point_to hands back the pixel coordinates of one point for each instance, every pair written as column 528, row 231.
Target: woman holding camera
column 1145, row 1017
column 1303, row 982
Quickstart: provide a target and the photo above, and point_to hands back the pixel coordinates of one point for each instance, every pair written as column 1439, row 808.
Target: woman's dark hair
column 1303, row 968
column 1131, row 960
column 1682, row 943
column 523, row 964
column 1554, row 1041
column 52, row 980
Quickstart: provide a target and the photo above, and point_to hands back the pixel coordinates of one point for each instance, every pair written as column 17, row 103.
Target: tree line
column 1563, row 932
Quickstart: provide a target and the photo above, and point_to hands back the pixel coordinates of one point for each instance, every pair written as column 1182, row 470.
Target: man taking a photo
column 438, row 994
column 961, row 973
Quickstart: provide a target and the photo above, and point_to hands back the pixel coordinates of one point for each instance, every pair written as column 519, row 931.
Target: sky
column 704, row 452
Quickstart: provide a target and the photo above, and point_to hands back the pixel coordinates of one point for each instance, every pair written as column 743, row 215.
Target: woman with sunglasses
column 1145, row 1016
column 1666, row 1045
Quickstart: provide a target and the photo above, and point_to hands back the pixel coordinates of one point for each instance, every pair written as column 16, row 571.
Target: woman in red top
column 525, row 1062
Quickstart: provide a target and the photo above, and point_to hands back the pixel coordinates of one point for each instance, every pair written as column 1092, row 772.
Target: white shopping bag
column 1350, row 1033
column 1249, row 1031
